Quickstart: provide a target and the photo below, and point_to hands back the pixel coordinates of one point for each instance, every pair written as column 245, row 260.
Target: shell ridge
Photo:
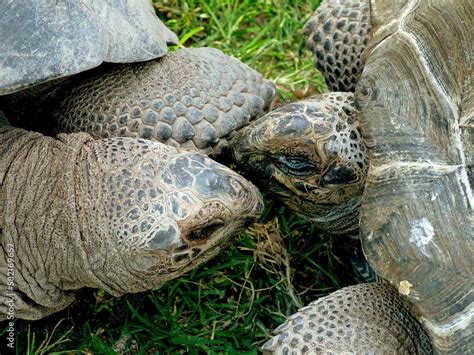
column 105, row 35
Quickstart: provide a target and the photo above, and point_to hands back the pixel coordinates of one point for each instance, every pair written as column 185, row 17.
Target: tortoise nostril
column 182, row 247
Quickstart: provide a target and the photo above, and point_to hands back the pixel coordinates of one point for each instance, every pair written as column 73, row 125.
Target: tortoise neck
column 39, row 219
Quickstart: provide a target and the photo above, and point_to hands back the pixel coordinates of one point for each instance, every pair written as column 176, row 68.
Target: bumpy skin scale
column 362, row 319
column 121, row 214
column 310, row 155
column 338, row 35
column 194, row 98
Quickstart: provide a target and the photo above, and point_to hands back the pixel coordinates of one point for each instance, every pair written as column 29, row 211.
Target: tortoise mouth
column 319, row 204
column 214, row 224
column 278, row 189
column 203, row 243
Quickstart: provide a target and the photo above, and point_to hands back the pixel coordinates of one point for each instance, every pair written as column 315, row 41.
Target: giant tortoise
column 124, row 214
column 393, row 161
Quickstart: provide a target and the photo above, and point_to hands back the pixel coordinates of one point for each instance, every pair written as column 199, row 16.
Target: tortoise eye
column 297, row 166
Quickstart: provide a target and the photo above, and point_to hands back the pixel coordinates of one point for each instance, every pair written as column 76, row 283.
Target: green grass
column 266, row 35
column 232, row 303
column 229, row 305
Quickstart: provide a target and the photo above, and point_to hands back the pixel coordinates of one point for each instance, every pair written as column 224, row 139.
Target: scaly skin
column 194, row 98
column 338, row 34
column 121, row 214
column 362, row 319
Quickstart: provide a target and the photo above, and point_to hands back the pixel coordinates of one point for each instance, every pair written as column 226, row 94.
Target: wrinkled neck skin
column 50, row 202
column 38, row 211
column 342, row 219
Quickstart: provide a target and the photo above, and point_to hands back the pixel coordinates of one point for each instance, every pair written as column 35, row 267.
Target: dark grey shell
column 47, row 39
column 417, row 118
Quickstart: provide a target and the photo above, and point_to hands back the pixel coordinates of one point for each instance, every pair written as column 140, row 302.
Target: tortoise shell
column 47, row 40
column 415, row 99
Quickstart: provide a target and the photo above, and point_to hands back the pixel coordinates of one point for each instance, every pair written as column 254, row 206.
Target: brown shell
column 417, row 118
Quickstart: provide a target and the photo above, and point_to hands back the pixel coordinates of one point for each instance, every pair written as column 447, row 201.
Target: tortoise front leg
column 195, row 98
column 338, row 34
column 361, row 319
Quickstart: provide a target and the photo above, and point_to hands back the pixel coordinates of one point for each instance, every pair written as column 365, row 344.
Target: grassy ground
column 232, row 303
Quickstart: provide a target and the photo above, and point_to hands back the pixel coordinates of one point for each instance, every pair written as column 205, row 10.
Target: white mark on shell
column 422, row 233
column 434, row 196
column 370, row 236
column 404, row 287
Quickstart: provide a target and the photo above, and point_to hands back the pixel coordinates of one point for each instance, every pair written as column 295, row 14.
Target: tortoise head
column 207, row 204
column 310, row 155
column 167, row 210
